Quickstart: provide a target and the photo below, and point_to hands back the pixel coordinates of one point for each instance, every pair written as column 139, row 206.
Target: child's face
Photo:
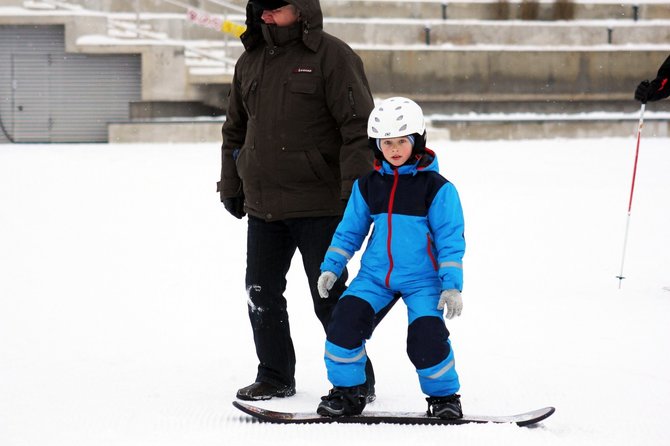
column 396, row 150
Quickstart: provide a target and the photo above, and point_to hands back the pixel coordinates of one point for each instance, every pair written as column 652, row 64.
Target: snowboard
column 372, row 417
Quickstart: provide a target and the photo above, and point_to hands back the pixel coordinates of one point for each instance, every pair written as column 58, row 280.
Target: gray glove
column 326, row 281
column 452, row 299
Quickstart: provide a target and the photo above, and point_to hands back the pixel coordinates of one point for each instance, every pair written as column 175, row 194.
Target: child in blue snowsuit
column 415, row 253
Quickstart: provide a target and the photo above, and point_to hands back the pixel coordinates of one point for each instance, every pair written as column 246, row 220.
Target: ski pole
column 632, row 189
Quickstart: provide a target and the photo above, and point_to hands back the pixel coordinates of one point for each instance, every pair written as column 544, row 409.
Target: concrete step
column 508, row 104
column 452, row 127
column 447, row 32
column 512, row 127
column 494, row 9
column 420, row 9
column 519, row 33
column 422, row 70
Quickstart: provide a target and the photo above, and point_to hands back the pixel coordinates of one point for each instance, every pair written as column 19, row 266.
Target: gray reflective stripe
column 340, row 251
column 345, row 360
column 454, row 264
column 442, row 371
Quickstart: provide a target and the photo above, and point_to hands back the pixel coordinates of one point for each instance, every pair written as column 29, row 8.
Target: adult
column 294, row 141
column 658, row 88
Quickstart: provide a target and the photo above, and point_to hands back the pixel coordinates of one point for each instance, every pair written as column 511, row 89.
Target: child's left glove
column 452, row 299
column 326, row 281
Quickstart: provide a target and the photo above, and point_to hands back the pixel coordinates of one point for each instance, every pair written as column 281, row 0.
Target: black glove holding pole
column 659, row 88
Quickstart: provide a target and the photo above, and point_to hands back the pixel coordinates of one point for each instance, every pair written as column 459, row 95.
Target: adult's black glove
column 235, row 205
column 642, row 91
column 655, row 90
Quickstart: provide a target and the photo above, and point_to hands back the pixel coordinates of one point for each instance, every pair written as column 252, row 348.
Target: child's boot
column 448, row 407
column 343, row 401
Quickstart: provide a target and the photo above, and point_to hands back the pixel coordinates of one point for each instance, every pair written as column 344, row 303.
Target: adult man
column 658, row 88
column 294, row 141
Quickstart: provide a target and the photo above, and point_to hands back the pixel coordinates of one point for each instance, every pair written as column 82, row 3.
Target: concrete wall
column 166, row 131
column 439, row 77
column 453, row 32
column 210, row 131
column 423, row 9
column 492, row 72
column 545, row 129
column 458, row 33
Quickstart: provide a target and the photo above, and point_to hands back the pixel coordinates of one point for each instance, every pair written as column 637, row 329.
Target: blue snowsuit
column 415, row 251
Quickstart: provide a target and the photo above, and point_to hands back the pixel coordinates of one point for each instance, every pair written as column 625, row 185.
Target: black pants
column 270, row 248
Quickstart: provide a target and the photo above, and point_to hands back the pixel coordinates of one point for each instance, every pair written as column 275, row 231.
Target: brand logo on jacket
column 303, row 70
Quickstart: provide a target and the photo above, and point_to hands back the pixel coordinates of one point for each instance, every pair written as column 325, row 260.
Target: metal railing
column 137, row 29
column 228, row 7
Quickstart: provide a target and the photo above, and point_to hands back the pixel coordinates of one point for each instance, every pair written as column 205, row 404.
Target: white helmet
column 396, row 117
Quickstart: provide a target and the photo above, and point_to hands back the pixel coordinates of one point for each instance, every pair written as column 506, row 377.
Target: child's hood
column 427, row 162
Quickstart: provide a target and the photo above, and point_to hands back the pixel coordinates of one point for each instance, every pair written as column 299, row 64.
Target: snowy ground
column 123, row 311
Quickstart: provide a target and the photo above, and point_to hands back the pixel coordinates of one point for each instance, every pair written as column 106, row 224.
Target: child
column 415, row 252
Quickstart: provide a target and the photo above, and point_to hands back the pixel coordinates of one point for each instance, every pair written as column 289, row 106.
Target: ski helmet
column 396, row 117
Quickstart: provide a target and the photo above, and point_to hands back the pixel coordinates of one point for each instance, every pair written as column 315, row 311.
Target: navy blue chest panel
column 413, row 195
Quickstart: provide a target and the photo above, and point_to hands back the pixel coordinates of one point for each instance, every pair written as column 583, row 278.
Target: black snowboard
column 371, row 417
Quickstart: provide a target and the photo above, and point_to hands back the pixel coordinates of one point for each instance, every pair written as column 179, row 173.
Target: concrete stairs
column 469, row 63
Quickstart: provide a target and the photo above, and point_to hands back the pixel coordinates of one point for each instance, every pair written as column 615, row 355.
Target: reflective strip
column 345, row 360
column 442, row 371
column 452, row 264
column 342, row 252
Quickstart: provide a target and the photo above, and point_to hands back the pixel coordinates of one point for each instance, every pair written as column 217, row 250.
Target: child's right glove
column 326, row 281
column 453, row 301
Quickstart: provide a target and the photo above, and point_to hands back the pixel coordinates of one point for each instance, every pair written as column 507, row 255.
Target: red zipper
column 390, row 227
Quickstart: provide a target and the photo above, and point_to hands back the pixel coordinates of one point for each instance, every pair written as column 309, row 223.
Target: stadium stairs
column 481, row 69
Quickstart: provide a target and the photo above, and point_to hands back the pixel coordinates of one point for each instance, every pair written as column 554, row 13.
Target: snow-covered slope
column 123, row 310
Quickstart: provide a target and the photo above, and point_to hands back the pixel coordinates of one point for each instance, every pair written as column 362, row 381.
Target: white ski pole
column 632, row 189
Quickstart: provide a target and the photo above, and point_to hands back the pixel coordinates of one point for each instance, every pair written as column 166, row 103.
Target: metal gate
column 31, row 117
column 48, row 95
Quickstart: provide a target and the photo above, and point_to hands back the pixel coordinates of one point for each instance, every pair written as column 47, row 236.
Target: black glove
column 655, row 90
column 235, row 205
column 642, row 91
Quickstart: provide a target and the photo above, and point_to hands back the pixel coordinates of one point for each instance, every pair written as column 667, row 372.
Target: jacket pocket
column 302, row 86
column 303, row 165
column 305, row 102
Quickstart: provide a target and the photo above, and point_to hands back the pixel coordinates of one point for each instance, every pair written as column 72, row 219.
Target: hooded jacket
column 295, row 136
column 418, row 228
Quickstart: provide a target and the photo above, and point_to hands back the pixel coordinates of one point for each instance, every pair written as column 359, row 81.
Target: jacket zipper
column 390, row 227
column 352, row 103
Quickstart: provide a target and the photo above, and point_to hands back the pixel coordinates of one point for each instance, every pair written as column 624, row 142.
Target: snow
column 123, row 310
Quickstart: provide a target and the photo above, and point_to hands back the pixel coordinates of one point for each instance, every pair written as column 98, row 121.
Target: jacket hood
column 311, row 21
column 426, row 162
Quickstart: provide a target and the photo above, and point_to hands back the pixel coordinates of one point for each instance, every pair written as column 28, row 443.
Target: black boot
column 264, row 391
column 370, row 395
column 448, row 407
column 343, row 401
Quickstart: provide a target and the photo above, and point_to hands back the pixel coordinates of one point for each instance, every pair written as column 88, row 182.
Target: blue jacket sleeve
column 350, row 233
column 445, row 217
